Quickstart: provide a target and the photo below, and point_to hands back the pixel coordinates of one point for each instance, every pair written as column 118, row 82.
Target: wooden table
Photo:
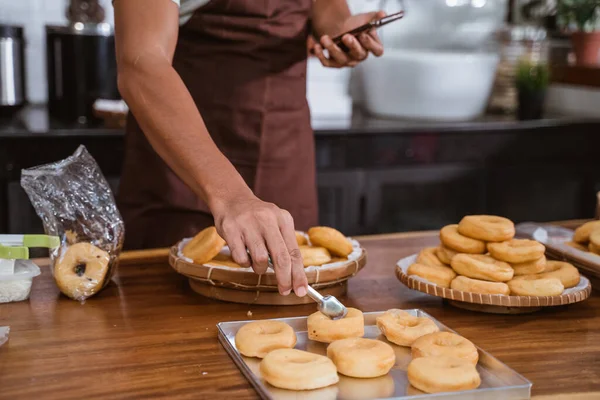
column 149, row 335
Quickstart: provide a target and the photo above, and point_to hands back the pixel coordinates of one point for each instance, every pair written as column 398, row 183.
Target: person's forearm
column 328, row 16
column 168, row 116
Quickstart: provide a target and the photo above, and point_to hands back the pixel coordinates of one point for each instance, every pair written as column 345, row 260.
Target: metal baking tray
column 498, row 381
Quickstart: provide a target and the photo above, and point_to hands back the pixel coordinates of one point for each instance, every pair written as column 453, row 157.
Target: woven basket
column 245, row 286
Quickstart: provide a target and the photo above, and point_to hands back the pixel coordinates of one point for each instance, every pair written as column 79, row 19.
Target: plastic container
column 17, row 286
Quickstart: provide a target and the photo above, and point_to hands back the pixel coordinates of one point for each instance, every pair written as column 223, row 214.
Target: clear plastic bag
column 75, row 203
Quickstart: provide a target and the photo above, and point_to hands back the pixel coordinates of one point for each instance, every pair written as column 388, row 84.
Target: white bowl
column 423, row 84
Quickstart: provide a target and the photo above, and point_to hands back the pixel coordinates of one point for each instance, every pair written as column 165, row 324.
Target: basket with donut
column 395, row 354
column 481, row 266
column 581, row 246
column 77, row 206
column 330, row 259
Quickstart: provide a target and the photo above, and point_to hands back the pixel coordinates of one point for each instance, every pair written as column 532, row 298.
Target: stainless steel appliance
column 81, row 67
column 12, row 69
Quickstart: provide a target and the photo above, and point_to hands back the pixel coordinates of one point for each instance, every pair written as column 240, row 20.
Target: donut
column 450, row 237
column 401, row 328
column 331, row 239
column 443, row 374
column 80, row 270
column 488, row 228
column 301, row 239
column 565, row 272
column 258, row 338
column 323, row 329
column 441, row 276
column 314, row 256
column 577, row 246
column 427, row 256
column 293, row 369
column 533, row 285
column 517, row 250
column 469, row 285
column 594, row 245
column 445, row 254
column 445, row 344
column 480, row 266
column 204, row 246
column 362, row 358
column 382, row 387
column 582, row 234
column 222, row 260
column 530, row 267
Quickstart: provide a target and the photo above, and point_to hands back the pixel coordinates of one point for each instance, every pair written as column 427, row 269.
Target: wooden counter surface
column 148, row 335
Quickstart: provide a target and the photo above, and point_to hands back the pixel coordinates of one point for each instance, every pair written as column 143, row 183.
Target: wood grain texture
column 148, row 335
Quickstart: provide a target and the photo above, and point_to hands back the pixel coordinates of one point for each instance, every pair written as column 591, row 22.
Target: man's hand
column 367, row 42
column 264, row 229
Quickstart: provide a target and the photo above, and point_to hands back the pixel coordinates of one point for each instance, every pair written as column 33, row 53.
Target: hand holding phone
column 365, row 28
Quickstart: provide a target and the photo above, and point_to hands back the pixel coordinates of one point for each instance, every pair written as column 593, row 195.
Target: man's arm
column 146, row 34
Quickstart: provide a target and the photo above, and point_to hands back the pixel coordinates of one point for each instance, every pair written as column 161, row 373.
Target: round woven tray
column 244, row 286
column 492, row 303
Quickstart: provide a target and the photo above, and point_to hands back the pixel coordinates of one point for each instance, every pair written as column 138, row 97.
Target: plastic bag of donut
column 481, row 255
column 75, row 203
column 319, row 246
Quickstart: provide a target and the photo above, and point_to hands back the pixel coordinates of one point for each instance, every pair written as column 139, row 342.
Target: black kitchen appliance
column 81, row 67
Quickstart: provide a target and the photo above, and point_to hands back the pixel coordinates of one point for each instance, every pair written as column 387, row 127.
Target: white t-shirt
column 187, row 8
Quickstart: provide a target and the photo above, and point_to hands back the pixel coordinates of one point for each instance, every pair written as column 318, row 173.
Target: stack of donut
column 480, row 255
column 587, row 238
column 441, row 361
column 321, row 245
column 348, row 353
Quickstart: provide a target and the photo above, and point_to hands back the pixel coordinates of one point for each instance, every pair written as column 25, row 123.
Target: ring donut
column 565, row 272
column 445, row 254
column 362, row 358
column 533, row 285
column 314, row 256
column 582, row 234
column 441, row 276
column 489, row 228
column 428, row 256
column 517, row 250
column 451, row 238
column 446, row 344
column 464, row 284
column 258, row 338
column 443, row 374
column 479, row 266
column 80, row 270
column 222, row 260
column 594, row 245
column 401, row 328
column 293, row 369
column 204, row 246
column 331, row 239
column 301, row 239
column 323, row 329
column 530, row 267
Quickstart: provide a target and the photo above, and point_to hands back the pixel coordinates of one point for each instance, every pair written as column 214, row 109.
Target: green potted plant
column 532, row 81
column 582, row 19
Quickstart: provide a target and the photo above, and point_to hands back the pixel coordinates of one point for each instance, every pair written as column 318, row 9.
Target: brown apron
column 244, row 62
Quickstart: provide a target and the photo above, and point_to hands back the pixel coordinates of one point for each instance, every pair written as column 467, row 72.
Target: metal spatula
column 328, row 305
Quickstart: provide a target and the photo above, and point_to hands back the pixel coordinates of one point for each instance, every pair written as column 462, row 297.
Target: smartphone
column 367, row 27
